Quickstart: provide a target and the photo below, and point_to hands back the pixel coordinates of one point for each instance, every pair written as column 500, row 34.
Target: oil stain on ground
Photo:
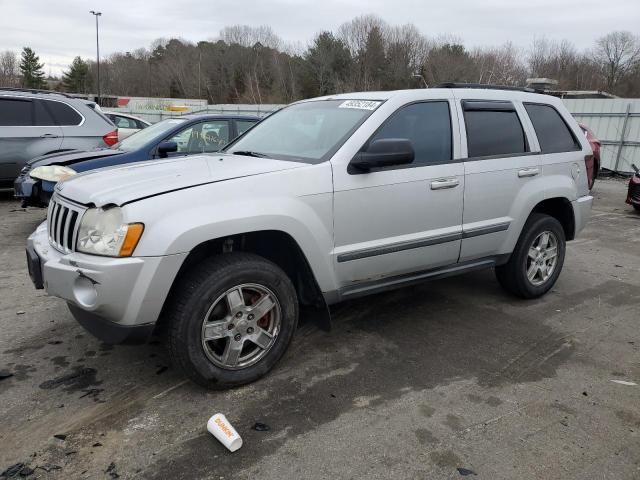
column 78, row 379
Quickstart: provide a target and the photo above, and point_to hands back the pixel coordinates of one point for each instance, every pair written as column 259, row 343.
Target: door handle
column 443, row 183
column 49, row 135
column 528, row 172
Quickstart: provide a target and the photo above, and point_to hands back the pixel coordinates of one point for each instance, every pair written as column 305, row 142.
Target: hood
column 70, row 157
column 127, row 183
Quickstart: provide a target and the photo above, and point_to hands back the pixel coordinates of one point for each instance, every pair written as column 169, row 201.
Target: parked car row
column 33, row 123
column 47, row 136
column 181, row 136
column 326, row 200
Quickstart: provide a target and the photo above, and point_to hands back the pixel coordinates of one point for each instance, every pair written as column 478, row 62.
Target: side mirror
column 167, row 147
column 384, row 152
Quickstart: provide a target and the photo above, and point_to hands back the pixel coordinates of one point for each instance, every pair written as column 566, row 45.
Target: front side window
column 41, row 114
column 553, row 133
column 308, row 132
column 15, row 112
column 427, row 125
column 493, row 130
column 154, row 132
column 244, row 125
column 63, row 114
column 206, row 137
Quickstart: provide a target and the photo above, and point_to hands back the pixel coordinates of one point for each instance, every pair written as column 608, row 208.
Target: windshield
column 305, row 132
column 152, row 132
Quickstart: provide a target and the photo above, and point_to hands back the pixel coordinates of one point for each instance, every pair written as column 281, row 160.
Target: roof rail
column 34, row 90
column 485, row 86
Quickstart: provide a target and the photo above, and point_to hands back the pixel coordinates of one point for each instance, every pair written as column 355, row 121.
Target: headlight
column 52, row 173
column 102, row 232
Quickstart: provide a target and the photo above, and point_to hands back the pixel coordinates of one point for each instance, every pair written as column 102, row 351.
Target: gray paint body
column 19, row 144
column 331, row 214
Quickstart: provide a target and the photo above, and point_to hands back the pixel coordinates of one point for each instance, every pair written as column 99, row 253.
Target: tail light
column 111, row 138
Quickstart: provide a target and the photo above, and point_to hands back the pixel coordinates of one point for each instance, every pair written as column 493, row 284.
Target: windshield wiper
column 249, row 153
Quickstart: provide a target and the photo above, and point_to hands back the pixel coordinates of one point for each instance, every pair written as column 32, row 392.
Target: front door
column 395, row 221
column 203, row 137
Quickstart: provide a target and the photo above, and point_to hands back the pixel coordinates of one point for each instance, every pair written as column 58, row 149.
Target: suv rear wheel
column 537, row 260
column 230, row 319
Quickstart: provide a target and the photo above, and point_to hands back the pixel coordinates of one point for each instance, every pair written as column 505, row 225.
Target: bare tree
column 248, row 36
column 253, row 65
column 9, row 69
column 618, row 53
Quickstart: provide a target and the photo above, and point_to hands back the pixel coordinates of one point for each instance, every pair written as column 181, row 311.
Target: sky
column 59, row 30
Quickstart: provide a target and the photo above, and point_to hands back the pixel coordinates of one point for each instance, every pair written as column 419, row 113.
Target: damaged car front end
column 84, row 256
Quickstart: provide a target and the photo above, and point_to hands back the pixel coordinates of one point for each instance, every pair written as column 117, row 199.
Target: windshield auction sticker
column 361, row 104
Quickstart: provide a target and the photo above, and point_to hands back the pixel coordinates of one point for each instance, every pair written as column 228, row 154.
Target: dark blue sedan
column 185, row 135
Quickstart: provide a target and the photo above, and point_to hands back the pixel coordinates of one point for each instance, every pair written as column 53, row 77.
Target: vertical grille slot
column 62, row 225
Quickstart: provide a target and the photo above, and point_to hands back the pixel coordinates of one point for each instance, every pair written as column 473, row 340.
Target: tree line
column 254, row 65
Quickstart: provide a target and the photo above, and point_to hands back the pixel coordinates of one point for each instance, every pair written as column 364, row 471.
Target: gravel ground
column 415, row 383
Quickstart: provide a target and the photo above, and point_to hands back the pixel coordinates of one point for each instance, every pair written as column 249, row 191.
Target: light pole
column 97, row 14
column 417, row 75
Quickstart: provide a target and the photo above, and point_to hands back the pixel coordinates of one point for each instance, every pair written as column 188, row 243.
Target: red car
column 593, row 163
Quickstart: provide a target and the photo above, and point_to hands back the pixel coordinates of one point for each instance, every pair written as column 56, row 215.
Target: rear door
column 27, row 130
column 77, row 135
column 398, row 220
column 562, row 153
column 501, row 161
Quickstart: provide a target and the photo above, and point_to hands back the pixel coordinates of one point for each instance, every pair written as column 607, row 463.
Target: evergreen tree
column 77, row 78
column 31, row 69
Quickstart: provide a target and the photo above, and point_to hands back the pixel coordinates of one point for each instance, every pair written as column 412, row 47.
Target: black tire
column 196, row 293
column 512, row 276
column 637, row 207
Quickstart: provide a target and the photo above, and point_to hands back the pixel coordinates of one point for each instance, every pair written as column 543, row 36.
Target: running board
column 399, row 281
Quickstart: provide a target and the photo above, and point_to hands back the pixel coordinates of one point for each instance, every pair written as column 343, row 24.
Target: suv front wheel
column 536, row 262
column 230, row 319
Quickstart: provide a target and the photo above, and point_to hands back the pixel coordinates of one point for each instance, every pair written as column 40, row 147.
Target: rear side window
column 427, row 125
column 123, row 122
column 493, row 129
column 16, row 113
column 42, row 116
column 63, row 114
column 553, row 133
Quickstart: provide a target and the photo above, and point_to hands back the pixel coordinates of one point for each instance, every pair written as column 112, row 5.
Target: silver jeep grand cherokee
column 326, row 200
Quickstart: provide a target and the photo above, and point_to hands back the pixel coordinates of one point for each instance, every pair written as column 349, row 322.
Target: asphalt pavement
column 417, row 383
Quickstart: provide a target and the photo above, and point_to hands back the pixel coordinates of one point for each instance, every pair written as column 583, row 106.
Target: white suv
column 325, row 200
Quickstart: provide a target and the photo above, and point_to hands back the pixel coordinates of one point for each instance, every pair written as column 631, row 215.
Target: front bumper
column 117, row 299
column 581, row 212
column 32, row 192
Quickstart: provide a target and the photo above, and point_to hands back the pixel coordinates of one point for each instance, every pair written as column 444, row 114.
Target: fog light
column 85, row 292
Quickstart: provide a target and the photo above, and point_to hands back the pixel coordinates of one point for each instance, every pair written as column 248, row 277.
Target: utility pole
column 97, row 14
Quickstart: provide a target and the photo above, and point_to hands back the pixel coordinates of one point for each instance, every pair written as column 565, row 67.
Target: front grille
column 63, row 222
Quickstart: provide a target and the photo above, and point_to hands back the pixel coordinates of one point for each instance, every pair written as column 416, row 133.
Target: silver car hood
column 135, row 181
